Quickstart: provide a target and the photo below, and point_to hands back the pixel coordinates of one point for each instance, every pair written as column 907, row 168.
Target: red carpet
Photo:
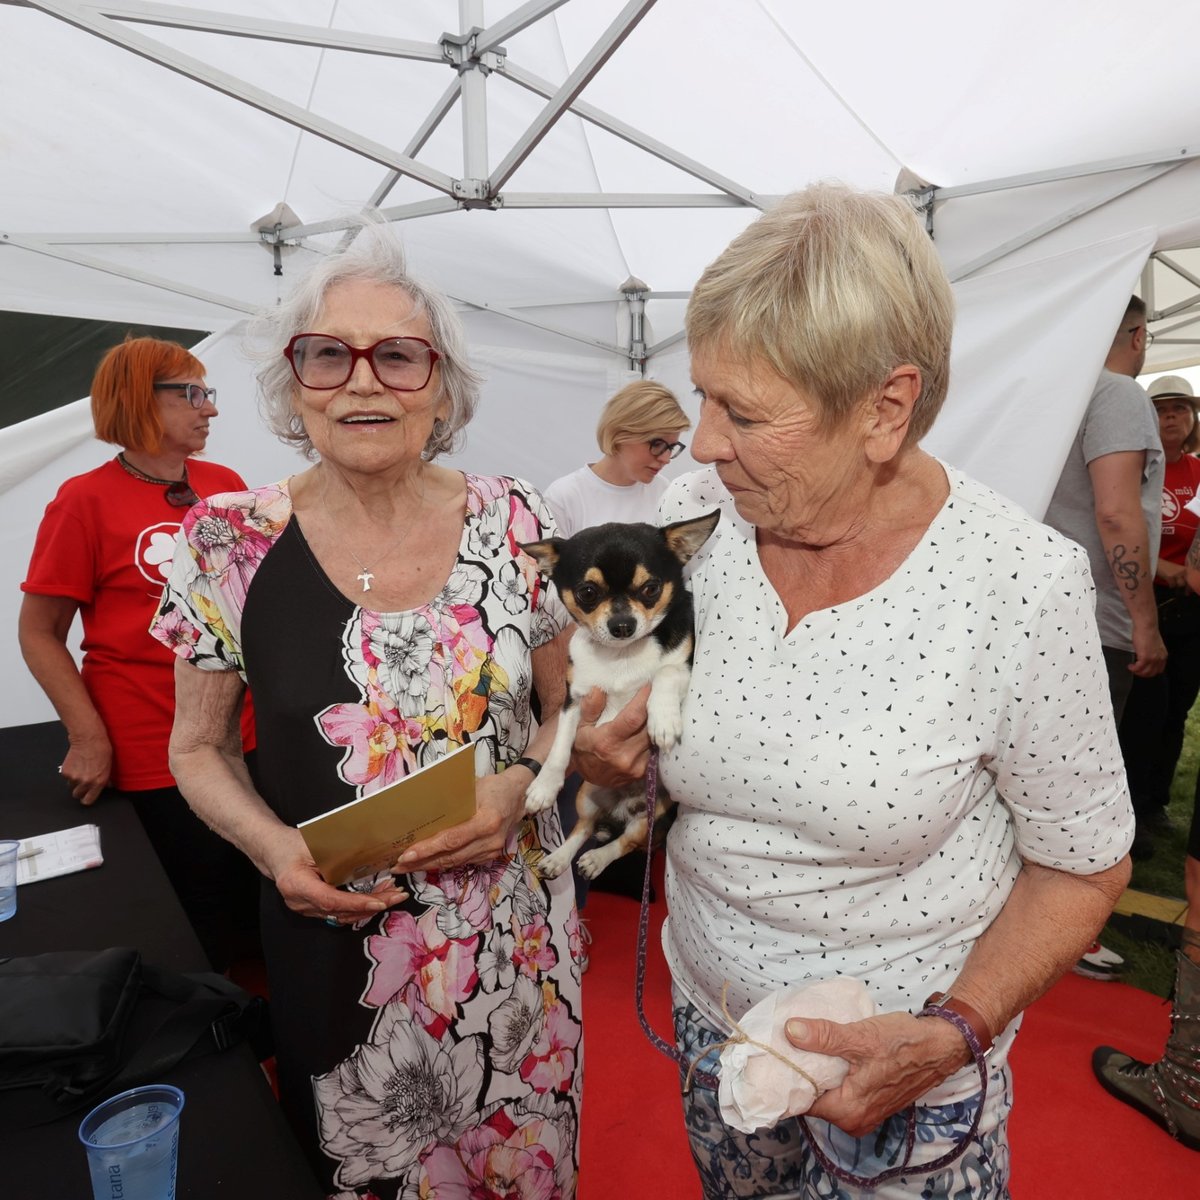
column 1070, row 1139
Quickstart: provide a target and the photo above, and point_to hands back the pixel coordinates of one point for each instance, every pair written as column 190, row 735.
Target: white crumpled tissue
column 756, row 1090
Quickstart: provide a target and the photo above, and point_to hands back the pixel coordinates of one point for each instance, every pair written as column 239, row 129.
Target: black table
column 234, row 1141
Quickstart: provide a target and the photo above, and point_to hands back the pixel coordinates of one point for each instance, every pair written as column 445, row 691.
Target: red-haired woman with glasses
column 103, row 549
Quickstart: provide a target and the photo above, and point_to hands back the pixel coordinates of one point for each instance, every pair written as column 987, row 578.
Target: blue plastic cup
column 8, row 879
column 132, row 1144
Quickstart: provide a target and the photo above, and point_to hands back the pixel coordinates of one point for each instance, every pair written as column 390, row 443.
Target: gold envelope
column 366, row 835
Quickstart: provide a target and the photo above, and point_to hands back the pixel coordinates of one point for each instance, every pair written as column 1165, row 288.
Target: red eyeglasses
column 323, row 362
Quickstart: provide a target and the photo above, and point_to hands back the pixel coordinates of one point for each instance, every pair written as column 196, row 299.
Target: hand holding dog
column 499, row 806
column 894, row 1058
column 614, row 754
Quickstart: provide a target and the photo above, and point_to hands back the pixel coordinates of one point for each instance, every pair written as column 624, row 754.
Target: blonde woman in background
column 638, row 434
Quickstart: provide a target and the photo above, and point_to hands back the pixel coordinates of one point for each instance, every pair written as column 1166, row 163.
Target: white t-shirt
column 583, row 499
column 855, row 795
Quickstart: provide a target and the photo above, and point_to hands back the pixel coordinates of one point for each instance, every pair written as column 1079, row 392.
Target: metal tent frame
column 1180, row 339
column 475, row 54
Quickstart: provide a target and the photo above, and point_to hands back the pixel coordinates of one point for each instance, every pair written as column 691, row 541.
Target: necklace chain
column 132, row 470
column 366, row 571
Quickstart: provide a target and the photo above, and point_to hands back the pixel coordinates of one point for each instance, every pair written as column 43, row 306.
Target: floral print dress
column 435, row 1051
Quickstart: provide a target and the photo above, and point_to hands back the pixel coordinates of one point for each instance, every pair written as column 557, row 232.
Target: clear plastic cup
column 132, row 1144
column 8, row 879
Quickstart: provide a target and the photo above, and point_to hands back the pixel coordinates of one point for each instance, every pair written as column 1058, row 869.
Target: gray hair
column 376, row 255
column 832, row 289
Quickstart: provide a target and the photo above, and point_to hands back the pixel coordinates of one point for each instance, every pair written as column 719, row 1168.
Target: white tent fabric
column 134, row 182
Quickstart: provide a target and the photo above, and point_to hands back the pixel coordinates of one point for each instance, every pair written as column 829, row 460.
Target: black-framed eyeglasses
column 1149, row 335
column 660, row 446
column 323, row 362
column 196, row 395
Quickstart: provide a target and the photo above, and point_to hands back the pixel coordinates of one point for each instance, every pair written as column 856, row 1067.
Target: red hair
column 124, row 403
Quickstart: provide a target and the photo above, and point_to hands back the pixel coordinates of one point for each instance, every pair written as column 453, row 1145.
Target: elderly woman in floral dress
column 427, row 1024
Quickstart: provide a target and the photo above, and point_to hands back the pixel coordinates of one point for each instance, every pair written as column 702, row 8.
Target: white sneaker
column 1099, row 963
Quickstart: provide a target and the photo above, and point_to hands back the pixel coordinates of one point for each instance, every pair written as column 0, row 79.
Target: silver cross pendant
column 366, row 577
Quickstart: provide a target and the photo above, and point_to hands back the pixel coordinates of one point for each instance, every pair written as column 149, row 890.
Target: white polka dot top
column 855, row 796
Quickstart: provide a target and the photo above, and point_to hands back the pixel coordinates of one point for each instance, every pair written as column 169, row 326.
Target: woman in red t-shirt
column 1152, row 728
column 103, row 550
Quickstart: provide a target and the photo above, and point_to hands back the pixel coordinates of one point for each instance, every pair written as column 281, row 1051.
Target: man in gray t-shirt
column 1109, row 500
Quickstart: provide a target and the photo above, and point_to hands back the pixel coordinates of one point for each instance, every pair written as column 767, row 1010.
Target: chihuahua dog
column 623, row 584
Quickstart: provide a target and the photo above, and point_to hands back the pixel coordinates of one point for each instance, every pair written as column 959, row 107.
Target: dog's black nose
column 622, row 627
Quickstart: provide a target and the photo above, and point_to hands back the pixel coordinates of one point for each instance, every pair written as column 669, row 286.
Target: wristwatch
column 530, row 764
column 969, row 1013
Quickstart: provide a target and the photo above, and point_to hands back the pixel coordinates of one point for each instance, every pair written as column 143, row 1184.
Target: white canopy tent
column 164, row 163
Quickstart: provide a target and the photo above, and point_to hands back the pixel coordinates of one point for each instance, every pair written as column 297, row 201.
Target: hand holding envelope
column 759, row 1087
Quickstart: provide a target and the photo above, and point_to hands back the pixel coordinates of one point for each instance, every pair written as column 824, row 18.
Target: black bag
column 76, row 1024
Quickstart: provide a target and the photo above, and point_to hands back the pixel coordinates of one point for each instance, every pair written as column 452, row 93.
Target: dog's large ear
column 545, row 554
column 684, row 538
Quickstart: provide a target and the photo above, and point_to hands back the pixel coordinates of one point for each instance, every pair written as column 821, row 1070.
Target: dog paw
column 664, row 724
column 593, row 862
column 553, row 865
column 540, row 795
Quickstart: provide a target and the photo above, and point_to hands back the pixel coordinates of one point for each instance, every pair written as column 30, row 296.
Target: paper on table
column 60, row 853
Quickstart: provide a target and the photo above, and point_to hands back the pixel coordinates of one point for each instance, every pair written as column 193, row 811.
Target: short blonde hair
column 637, row 410
column 832, row 289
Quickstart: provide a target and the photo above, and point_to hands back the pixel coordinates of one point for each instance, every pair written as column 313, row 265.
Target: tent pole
column 473, row 77
column 575, row 82
column 108, row 268
column 1109, row 194
column 521, row 18
column 635, row 293
column 603, row 120
column 239, row 89
column 1147, row 287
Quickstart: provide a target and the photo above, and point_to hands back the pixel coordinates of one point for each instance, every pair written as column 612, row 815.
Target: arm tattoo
column 1126, row 568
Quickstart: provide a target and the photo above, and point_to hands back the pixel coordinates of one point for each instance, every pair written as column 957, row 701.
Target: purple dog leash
column 710, row 1081
column 639, row 986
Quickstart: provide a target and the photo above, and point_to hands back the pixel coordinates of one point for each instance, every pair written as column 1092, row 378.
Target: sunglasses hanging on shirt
column 179, row 492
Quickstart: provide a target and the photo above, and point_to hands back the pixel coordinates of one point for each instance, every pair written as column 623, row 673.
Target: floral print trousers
column 779, row 1163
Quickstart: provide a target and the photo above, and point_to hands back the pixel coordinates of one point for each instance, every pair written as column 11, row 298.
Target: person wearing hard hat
column 1151, row 729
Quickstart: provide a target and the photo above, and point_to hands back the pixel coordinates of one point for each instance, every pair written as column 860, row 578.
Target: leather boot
column 1167, row 1091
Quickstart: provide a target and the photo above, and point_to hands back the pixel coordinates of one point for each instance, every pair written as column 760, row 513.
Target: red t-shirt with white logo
column 107, row 540
column 1182, row 483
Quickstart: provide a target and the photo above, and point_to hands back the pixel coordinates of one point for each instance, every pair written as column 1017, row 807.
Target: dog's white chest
column 618, row 671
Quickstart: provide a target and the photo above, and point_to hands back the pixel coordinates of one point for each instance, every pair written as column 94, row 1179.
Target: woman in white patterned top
column 899, row 761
